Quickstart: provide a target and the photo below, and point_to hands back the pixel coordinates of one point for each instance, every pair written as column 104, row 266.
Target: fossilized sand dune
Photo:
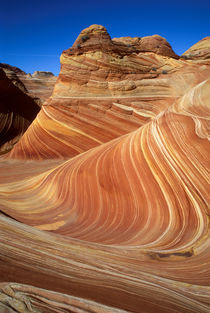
column 105, row 199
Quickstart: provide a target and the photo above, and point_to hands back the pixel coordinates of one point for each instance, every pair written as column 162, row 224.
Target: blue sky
column 33, row 33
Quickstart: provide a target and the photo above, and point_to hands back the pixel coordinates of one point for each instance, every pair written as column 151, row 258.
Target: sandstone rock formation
column 11, row 69
column 13, row 73
column 104, row 200
column 155, row 43
column 133, row 215
column 39, row 85
column 201, row 50
column 17, row 111
column 106, row 89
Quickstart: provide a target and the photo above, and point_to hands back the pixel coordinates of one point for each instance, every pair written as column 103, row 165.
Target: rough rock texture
column 17, row 111
column 106, row 209
column 201, row 50
column 155, row 43
column 39, row 85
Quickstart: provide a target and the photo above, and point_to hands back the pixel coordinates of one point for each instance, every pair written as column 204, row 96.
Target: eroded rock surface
column 40, row 84
column 104, row 200
column 106, row 89
column 200, row 50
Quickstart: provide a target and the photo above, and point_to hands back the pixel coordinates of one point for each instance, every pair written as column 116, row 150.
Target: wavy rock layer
column 133, row 215
column 122, row 224
column 133, row 280
column 107, row 88
column 17, row 111
column 148, row 154
column 20, row 101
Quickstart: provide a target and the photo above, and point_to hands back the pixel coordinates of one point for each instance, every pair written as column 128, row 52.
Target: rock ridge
column 96, row 37
column 200, row 50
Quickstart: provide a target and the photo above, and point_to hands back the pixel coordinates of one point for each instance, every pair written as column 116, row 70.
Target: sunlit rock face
column 155, row 43
column 131, row 213
column 97, row 65
column 40, row 84
column 104, row 200
column 200, row 50
column 107, row 88
column 17, row 111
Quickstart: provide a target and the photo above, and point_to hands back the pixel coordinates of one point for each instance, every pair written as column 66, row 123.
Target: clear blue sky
column 33, row 33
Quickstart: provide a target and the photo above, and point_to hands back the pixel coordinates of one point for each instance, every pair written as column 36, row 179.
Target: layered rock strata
column 128, row 221
column 40, row 84
column 107, row 88
column 200, row 50
column 17, row 111
column 18, row 108
column 13, row 73
column 104, row 200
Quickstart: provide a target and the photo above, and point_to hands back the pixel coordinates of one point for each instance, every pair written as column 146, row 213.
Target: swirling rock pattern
column 106, row 88
column 143, row 224
column 122, row 223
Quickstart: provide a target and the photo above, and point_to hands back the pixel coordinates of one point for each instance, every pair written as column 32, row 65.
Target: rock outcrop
column 17, row 111
column 155, row 43
column 39, row 85
column 11, row 69
column 106, row 89
column 13, row 73
column 104, row 200
column 201, row 50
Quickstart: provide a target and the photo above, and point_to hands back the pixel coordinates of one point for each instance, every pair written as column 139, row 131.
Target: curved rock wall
column 105, row 199
column 199, row 51
column 106, row 89
column 137, row 206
